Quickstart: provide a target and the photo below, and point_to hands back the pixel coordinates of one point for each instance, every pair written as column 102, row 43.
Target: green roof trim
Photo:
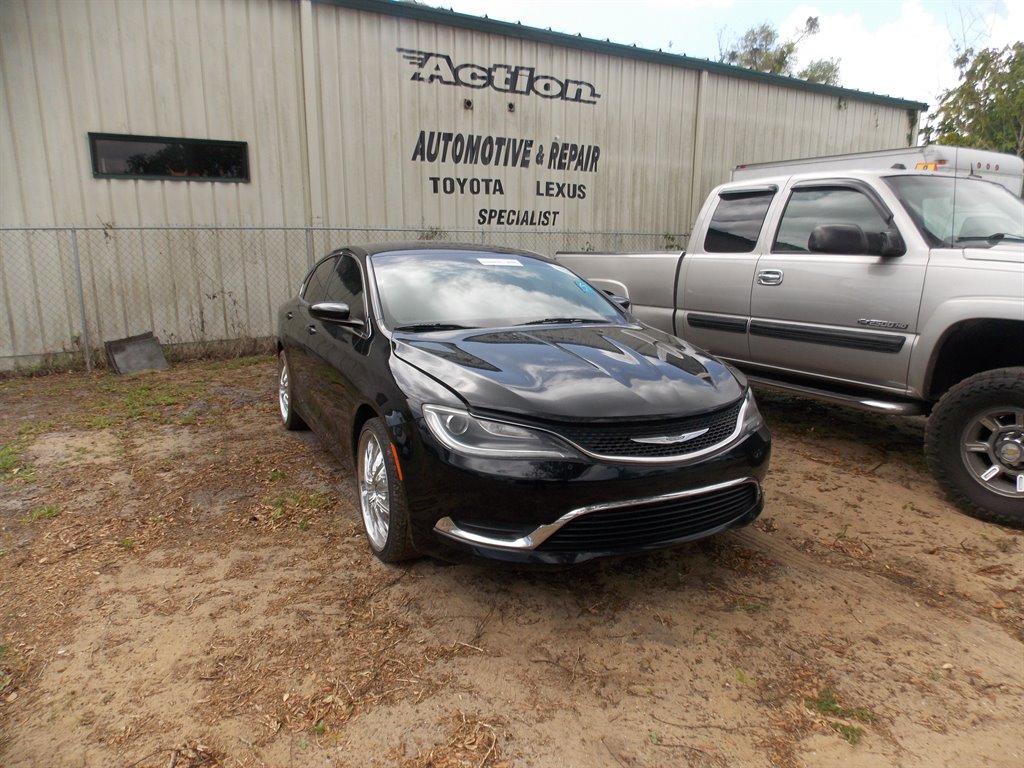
column 508, row 29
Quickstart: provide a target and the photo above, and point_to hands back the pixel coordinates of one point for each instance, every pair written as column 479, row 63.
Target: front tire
column 286, row 395
column 975, row 445
column 381, row 497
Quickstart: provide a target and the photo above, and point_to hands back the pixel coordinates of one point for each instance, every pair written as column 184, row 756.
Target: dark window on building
column 158, row 157
column 807, row 208
column 315, row 290
column 737, row 222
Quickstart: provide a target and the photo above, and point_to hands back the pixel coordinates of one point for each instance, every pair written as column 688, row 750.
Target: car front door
column 835, row 306
column 339, row 369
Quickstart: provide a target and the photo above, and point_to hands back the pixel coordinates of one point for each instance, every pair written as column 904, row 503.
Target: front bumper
column 562, row 513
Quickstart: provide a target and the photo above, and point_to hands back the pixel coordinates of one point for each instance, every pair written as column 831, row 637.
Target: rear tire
column 381, row 496
column 975, row 445
column 286, row 395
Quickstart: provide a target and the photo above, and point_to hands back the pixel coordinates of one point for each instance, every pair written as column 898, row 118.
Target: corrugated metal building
column 353, row 114
column 333, row 98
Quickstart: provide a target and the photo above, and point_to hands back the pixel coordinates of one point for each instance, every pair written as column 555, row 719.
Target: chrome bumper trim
column 447, row 527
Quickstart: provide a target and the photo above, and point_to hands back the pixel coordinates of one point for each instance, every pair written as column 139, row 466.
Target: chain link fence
column 66, row 291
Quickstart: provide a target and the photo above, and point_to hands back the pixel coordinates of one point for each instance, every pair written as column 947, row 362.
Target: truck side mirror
column 892, row 243
column 846, row 239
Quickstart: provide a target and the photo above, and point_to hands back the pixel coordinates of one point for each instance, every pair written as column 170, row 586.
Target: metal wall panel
column 216, row 69
column 332, row 129
column 372, row 113
column 651, row 175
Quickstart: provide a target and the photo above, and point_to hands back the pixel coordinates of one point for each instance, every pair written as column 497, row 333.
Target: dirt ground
column 184, row 583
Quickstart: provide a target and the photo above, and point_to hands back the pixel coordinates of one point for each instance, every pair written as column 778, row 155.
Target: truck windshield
column 951, row 211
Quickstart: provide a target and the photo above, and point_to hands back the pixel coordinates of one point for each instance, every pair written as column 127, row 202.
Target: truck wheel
column 975, row 445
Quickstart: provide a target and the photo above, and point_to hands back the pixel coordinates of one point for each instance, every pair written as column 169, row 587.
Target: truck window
column 809, row 207
column 737, row 222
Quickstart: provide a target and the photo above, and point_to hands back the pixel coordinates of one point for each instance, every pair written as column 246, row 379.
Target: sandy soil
column 183, row 583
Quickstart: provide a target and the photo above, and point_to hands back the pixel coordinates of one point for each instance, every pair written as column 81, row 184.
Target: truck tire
column 974, row 442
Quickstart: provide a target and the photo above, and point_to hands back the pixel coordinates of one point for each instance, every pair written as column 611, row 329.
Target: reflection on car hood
column 573, row 372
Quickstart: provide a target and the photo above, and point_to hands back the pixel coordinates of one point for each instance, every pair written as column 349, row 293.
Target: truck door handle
column 289, row 315
column 770, row 277
column 311, row 329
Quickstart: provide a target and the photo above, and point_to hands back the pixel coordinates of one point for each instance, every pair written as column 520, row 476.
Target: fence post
column 309, row 249
column 81, row 299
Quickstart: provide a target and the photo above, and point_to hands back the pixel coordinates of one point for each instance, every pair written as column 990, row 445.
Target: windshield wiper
column 995, row 237
column 559, row 320
column 427, row 327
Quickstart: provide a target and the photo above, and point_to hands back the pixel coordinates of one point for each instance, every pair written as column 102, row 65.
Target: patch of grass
column 827, row 704
column 241, row 362
column 143, row 396
column 304, row 524
column 298, row 501
column 44, row 513
column 744, row 678
column 36, row 428
column 127, row 543
column 10, row 456
column 277, row 474
column 12, row 463
column 852, row 733
column 320, row 728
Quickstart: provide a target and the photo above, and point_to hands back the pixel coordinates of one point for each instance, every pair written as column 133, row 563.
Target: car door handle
column 289, row 315
column 311, row 329
column 770, row 277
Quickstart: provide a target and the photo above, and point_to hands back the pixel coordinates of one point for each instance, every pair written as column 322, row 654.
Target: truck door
column 825, row 301
column 713, row 292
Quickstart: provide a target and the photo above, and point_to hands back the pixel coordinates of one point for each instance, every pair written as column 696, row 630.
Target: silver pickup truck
column 895, row 291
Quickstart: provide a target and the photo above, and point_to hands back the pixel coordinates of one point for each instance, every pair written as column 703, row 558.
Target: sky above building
column 891, row 47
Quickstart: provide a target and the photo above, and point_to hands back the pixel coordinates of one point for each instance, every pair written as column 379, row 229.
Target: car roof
column 428, row 246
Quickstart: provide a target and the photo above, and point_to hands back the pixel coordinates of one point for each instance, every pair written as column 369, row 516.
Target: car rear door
column 847, row 316
column 713, row 291
column 299, row 332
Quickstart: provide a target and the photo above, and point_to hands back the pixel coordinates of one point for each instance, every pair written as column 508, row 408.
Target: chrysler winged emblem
column 669, row 439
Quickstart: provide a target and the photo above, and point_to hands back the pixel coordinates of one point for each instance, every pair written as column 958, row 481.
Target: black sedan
column 497, row 406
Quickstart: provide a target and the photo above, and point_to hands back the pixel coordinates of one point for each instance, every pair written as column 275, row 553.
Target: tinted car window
column 346, row 286
column 316, row 286
column 478, row 289
column 807, row 208
column 737, row 222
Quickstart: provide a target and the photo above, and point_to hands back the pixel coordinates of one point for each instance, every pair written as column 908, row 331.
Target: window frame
column 768, row 192
column 94, row 157
column 849, row 185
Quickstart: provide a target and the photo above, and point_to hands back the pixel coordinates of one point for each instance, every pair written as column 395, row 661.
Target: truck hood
column 573, row 372
column 1005, row 252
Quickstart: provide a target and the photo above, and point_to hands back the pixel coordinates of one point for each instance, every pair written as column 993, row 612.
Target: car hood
column 573, row 372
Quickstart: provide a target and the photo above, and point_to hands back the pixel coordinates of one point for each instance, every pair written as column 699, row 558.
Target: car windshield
column 438, row 290
column 951, row 211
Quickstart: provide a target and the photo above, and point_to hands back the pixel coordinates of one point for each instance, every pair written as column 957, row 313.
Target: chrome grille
column 616, row 439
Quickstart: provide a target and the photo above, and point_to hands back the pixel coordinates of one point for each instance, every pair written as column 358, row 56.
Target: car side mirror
column 846, row 239
column 332, row 312
column 622, row 301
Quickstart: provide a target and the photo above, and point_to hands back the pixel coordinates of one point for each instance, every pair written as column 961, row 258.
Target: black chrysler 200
column 497, row 406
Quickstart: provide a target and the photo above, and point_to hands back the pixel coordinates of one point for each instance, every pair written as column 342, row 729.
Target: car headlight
column 752, row 418
column 468, row 435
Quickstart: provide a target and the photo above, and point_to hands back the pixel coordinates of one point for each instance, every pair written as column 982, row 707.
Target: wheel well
column 363, row 415
column 972, row 347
